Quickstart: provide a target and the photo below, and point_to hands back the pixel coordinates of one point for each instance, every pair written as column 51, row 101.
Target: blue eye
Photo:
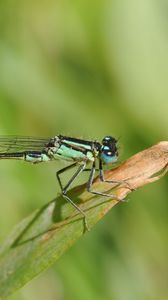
column 108, row 158
column 109, row 153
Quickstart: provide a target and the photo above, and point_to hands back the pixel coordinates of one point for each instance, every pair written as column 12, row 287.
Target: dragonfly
column 78, row 152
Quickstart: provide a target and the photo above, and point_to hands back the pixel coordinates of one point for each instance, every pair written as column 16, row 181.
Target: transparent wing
column 9, row 144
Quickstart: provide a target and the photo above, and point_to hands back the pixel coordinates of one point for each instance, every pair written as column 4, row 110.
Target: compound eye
column 108, row 156
column 108, row 140
column 109, row 153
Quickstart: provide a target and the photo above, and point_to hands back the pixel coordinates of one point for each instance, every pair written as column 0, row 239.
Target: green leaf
column 40, row 239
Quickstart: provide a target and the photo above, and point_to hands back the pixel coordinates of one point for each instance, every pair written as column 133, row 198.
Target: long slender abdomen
column 12, row 156
column 32, row 157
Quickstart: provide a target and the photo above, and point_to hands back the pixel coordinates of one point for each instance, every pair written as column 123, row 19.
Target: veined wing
column 10, row 144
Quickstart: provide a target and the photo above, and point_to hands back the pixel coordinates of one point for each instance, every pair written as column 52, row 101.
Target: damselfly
column 77, row 151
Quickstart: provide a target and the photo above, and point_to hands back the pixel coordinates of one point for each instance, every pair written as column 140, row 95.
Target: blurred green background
column 87, row 69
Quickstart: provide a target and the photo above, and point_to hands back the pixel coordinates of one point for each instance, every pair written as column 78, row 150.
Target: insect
column 77, row 151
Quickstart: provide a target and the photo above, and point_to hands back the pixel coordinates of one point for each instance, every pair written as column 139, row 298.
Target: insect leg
column 65, row 189
column 101, row 175
column 58, row 173
column 90, row 182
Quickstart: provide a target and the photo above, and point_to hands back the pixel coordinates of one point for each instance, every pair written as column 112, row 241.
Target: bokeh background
column 87, row 69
